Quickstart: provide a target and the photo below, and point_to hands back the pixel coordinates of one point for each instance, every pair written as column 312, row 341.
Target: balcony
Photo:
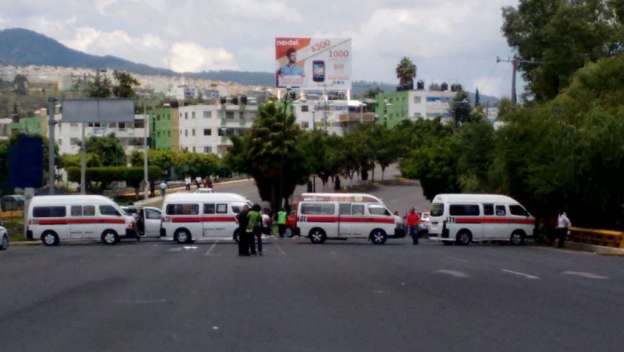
column 366, row 117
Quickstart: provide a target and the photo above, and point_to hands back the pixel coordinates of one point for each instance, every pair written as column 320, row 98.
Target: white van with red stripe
column 465, row 218
column 53, row 219
column 188, row 217
column 342, row 216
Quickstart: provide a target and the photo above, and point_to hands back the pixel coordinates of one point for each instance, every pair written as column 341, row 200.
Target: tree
column 477, row 98
column 556, row 38
column 406, row 72
column 269, row 150
column 372, row 93
column 460, row 108
column 125, row 85
column 107, row 150
column 99, row 87
column 21, row 84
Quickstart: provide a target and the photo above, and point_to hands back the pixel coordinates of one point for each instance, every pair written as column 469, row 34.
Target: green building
column 29, row 125
column 392, row 108
column 164, row 128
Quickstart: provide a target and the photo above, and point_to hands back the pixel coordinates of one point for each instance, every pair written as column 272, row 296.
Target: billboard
column 313, row 63
column 98, row 110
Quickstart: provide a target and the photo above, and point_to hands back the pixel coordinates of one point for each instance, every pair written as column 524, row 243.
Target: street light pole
column 51, row 136
column 145, row 153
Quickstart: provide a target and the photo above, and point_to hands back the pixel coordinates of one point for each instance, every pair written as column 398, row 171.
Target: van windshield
column 437, row 209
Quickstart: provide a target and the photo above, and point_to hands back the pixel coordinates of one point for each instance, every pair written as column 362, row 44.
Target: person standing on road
column 254, row 229
column 281, row 222
column 563, row 226
column 240, row 235
column 163, row 188
column 413, row 219
column 187, row 182
column 266, row 222
column 198, row 181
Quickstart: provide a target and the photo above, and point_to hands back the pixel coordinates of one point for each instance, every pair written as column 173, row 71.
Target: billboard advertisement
column 313, row 63
column 98, row 110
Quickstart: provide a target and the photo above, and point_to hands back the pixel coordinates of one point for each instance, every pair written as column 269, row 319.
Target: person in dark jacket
column 243, row 243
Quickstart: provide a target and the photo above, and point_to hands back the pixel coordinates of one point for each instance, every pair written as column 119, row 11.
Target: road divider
column 597, row 237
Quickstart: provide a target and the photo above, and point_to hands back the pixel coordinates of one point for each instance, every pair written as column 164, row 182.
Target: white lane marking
column 524, row 275
column 189, row 248
column 211, row 248
column 585, row 275
column 454, row 273
column 176, row 249
column 215, row 328
column 281, row 250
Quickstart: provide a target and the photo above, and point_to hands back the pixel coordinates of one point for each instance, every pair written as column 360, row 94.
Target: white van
column 465, row 218
column 189, row 217
column 343, row 215
column 75, row 217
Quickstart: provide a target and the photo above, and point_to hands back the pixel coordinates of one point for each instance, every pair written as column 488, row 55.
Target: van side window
column 109, row 210
column 236, row 209
column 49, row 212
column 182, row 209
column 437, row 209
column 318, row 209
column 344, row 208
column 464, row 210
column 377, row 210
column 221, row 208
column 152, row 214
column 357, row 209
column 500, row 210
column 88, row 210
column 518, row 210
column 76, row 210
column 209, row 208
column 488, row 209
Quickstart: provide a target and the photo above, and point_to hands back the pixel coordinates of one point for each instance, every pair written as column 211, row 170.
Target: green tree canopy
column 406, row 72
column 106, row 151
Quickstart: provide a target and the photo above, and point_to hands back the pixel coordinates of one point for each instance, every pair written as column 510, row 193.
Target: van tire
column 50, row 238
column 463, row 238
column 517, row 238
column 4, row 243
column 109, row 237
column 317, row 236
column 182, row 236
column 378, row 236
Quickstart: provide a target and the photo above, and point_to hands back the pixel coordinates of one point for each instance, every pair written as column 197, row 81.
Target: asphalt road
column 341, row 296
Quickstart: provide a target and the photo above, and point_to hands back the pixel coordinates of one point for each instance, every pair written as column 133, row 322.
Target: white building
column 130, row 134
column 334, row 116
column 207, row 128
column 429, row 104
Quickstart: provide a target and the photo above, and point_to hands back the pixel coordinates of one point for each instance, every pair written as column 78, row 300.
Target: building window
column 304, row 108
column 193, row 114
column 417, row 100
column 186, row 115
column 193, row 132
column 185, row 133
column 122, row 126
column 207, row 132
column 207, row 114
column 169, row 133
column 207, row 149
column 74, row 124
column 139, row 123
column 193, row 149
column 221, row 132
column 229, row 114
column 305, row 124
column 74, row 141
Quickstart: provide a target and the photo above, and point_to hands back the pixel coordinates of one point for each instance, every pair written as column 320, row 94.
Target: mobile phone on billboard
column 318, row 71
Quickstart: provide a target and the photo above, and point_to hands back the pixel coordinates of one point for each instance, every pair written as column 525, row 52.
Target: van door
column 152, row 222
column 82, row 223
column 359, row 220
column 499, row 227
column 344, row 227
column 75, row 216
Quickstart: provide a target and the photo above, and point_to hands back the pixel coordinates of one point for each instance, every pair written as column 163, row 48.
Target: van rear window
column 317, row 209
column 182, row 209
column 464, row 210
column 437, row 209
column 49, row 212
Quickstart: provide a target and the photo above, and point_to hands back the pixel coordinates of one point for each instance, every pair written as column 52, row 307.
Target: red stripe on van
column 196, row 219
column 349, row 219
column 80, row 221
column 492, row 220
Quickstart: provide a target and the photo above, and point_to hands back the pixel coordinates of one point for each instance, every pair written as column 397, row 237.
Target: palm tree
column 406, row 72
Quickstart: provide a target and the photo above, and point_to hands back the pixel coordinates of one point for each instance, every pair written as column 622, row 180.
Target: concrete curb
column 25, row 243
column 602, row 250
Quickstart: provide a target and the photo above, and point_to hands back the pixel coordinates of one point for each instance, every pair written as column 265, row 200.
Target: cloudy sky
column 449, row 40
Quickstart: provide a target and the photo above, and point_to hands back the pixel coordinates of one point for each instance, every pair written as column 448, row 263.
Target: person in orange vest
column 412, row 220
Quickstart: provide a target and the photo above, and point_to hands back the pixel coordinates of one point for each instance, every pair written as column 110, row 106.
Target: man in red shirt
column 413, row 219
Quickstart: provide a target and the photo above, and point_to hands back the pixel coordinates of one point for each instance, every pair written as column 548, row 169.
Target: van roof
column 471, row 197
column 64, row 199
column 344, row 197
column 204, row 197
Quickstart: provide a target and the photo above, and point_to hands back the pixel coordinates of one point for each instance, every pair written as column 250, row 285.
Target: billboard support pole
column 51, row 155
column 83, row 161
column 145, row 153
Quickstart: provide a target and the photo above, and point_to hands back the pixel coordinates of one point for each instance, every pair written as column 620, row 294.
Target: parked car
column 4, row 239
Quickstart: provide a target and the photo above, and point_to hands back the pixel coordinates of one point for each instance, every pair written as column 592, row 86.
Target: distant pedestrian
column 254, row 229
column 209, row 183
column 198, row 181
column 281, row 222
column 163, row 188
column 267, row 223
column 187, row 183
column 413, row 220
column 563, row 226
column 240, row 236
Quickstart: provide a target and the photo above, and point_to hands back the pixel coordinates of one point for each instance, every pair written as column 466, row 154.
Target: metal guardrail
column 597, row 237
column 11, row 214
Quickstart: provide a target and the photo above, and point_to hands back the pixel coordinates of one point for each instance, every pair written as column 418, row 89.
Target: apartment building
column 334, row 116
column 394, row 107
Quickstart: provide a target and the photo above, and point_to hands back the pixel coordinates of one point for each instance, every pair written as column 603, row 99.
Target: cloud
column 191, row 57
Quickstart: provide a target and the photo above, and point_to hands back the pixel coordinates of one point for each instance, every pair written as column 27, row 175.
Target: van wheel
column 517, row 238
column 4, row 245
column 50, row 238
column 317, row 236
column 378, row 236
column 464, row 237
column 110, row 237
column 182, row 236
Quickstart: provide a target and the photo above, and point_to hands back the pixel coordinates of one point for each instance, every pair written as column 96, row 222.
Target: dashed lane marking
column 454, row 273
column 280, row 249
column 212, row 247
column 524, row 275
column 585, row 275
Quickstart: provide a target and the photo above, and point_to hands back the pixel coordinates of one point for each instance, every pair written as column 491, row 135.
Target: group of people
column 205, row 182
column 252, row 224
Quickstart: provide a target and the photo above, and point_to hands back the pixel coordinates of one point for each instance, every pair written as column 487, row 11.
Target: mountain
column 22, row 47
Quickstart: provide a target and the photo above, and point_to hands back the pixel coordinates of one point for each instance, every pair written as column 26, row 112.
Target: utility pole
column 514, row 64
column 51, row 123
column 145, row 152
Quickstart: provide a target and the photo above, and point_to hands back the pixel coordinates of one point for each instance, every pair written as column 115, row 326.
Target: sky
column 449, row 40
